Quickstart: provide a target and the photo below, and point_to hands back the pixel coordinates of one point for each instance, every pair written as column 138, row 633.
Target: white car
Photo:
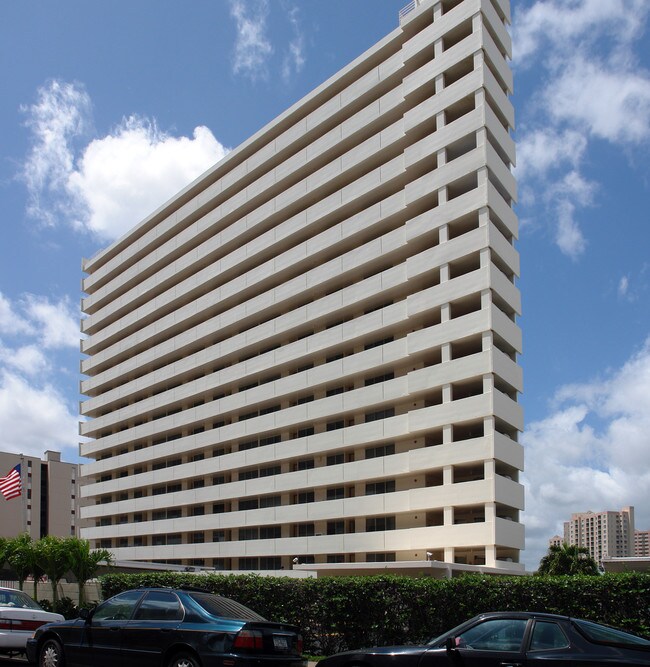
column 19, row 618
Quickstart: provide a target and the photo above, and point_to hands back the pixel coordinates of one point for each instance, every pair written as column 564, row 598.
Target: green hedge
column 337, row 613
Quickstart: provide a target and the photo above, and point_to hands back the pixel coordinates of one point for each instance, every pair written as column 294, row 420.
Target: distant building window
column 375, row 524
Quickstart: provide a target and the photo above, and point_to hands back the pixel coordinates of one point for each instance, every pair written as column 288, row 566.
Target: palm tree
column 567, row 559
column 84, row 563
column 19, row 553
column 53, row 558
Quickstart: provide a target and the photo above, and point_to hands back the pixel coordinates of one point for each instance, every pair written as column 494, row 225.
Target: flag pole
column 23, row 491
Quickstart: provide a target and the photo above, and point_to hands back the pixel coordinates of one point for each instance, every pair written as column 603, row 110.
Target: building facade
column 642, row 543
column 48, row 504
column 310, row 354
column 606, row 534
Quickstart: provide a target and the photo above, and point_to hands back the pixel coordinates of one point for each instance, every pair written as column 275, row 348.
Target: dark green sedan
column 164, row 627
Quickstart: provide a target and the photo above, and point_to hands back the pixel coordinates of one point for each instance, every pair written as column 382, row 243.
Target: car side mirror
column 450, row 644
column 85, row 613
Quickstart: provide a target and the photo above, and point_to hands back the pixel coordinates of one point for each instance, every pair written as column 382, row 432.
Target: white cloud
column 592, row 452
column 562, row 24
column 590, row 88
column 57, row 323
column 28, row 359
column 608, row 101
column 10, row 321
column 34, row 419
column 623, row 286
column 252, row 47
column 114, row 181
column 294, row 58
column 547, row 149
column 123, row 177
column 62, row 113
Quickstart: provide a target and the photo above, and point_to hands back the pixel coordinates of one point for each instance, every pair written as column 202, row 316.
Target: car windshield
column 218, row 606
column 605, row 635
column 17, row 599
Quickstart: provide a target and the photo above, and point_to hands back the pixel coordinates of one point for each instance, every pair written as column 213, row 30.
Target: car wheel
column 183, row 659
column 51, row 654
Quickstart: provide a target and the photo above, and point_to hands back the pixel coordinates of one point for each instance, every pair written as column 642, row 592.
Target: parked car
column 510, row 639
column 164, row 627
column 19, row 617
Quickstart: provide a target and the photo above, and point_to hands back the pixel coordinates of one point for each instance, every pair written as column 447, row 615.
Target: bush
column 66, row 607
column 337, row 613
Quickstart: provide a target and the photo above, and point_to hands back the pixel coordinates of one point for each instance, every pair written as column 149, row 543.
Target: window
column 218, row 535
column 270, row 563
column 380, row 414
column 198, row 510
column 380, row 487
column 304, row 432
column 333, row 426
column 377, row 343
column 388, row 557
column 118, row 608
column 270, row 471
column 305, row 464
column 249, row 504
column 270, row 440
column 334, row 391
column 379, row 378
column 335, row 527
column 497, row 634
column 306, row 530
column 250, row 444
column 304, row 497
column 335, row 459
column 305, row 399
column 270, row 532
column 270, row 501
column 198, row 483
column 197, row 538
column 375, row 524
column 547, row 635
column 248, row 474
column 336, row 493
column 249, row 534
column 382, row 450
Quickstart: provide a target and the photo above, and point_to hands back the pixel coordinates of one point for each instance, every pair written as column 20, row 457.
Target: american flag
column 11, row 485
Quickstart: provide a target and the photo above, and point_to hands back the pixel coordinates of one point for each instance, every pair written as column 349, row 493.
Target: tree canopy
column 567, row 559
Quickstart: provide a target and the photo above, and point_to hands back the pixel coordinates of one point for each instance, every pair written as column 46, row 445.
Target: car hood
column 385, row 651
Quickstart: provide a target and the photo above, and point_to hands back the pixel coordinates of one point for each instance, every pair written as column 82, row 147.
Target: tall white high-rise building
column 311, row 351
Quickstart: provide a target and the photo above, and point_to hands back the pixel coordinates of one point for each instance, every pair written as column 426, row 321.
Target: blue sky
column 107, row 109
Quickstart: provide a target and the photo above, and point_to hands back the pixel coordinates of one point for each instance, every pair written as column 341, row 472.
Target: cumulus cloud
column 252, row 46
column 123, row 177
column 590, row 453
column 107, row 184
column 591, row 89
column 57, row 322
column 33, row 418
column 294, row 57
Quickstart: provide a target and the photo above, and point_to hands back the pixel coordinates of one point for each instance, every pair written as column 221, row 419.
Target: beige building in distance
column 310, row 354
column 606, row 534
column 642, row 543
column 48, row 501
